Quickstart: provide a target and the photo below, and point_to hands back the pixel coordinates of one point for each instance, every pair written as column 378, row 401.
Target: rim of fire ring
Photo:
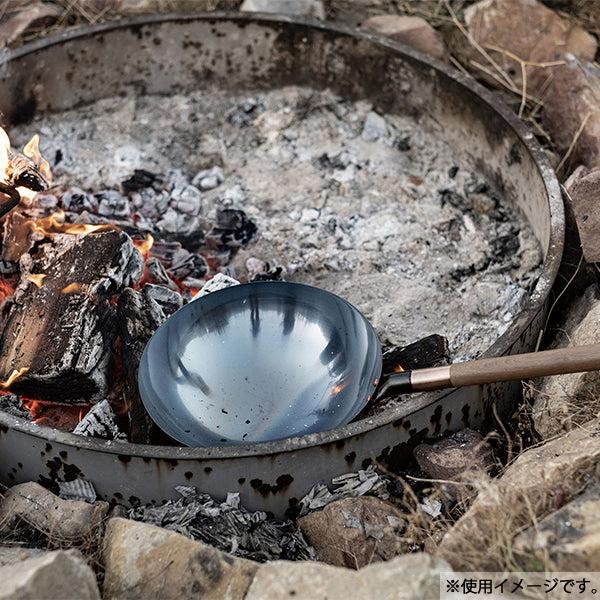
column 502, row 345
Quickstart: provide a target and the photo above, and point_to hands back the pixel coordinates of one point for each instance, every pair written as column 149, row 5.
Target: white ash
column 218, row 282
column 369, row 206
column 361, row 483
column 100, row 422
column 227, row 526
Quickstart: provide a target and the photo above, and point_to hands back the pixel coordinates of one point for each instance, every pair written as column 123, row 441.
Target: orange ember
column 399, row 369
column 53, row 414
column 6, row 289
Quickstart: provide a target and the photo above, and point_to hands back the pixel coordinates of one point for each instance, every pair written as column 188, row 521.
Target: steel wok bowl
column 259, row 362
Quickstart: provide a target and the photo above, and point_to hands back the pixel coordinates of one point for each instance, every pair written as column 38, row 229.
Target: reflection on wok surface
column 259, row 362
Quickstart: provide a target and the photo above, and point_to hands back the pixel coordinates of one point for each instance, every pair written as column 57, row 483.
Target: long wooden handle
column 526, row 366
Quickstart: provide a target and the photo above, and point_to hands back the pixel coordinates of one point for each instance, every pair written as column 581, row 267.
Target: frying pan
column 270, row 360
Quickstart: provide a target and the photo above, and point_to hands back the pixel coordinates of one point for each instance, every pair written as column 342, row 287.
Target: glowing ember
column 399, row 369
column 36, row 278
column 6, row 289
column 72, row 288
column 13, row 377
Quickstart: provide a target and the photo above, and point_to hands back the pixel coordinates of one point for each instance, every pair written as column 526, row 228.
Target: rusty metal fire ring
column 165, row 52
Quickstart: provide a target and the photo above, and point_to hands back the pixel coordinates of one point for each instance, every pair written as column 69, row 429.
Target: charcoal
column 8, row 268
column 227, row 526
column 431, row 351
column 208, row 179
column 140, row 180
column 157, row 274
column 403, row 143
column 169, row 300
column 187, row 200
column 112, row 204
column 77, row 200
column 100, row 422
column 139, row 317
column 260, row 270
column 78, row 489
column 69, row 349
column 245, row 112
column 232, row 231
column 218, row 282
column 11, row 404
column 187, row 264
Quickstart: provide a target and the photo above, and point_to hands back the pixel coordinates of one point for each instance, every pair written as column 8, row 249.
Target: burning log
column 60, row 336
column 430, row 351
column 140, row 315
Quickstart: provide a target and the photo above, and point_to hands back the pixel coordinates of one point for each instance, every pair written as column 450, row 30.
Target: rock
column 408, row 577
column 528, row 30
column 451, row 457
column 572, row 111
column 539, row 481
column 307, row 8
column 355, row 531
column 10, row 555
column 374, row 127
column 583, row 193
column 67, row 520
column 564, row 401
column 566, row 540
column 412, row 31
column 52, row 575
column 143, row 561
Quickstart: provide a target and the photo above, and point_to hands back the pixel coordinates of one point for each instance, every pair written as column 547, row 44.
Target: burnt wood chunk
column 430, row 351
column 60, row 327
column 140, row 315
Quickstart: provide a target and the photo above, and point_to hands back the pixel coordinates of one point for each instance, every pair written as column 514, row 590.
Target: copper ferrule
column 434, row 378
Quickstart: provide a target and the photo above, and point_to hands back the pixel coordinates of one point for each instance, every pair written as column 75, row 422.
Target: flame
column 55, row 223
column 13, row 377
column 32, row 150
column 144, row 246
column 36, row 278
column 71, row 288
column 399, row 369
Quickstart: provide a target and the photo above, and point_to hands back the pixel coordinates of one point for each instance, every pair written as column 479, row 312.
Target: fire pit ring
column 174, row 52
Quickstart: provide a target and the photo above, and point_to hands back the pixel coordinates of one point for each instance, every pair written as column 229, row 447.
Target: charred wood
column 430, row 351
column 60, row 329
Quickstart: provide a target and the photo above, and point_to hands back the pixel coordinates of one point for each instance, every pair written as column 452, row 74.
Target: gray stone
column 566, row 540
column 355, row 532
column 565, row 401
column 143, row 561
column 412, row 31
column 540, row 480
column 374, row 127
column 408, row 577
column 66, row 520
column 51, row 575
column 307, row 8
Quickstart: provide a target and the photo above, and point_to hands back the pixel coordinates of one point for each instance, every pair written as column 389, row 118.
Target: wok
column 270, row 360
